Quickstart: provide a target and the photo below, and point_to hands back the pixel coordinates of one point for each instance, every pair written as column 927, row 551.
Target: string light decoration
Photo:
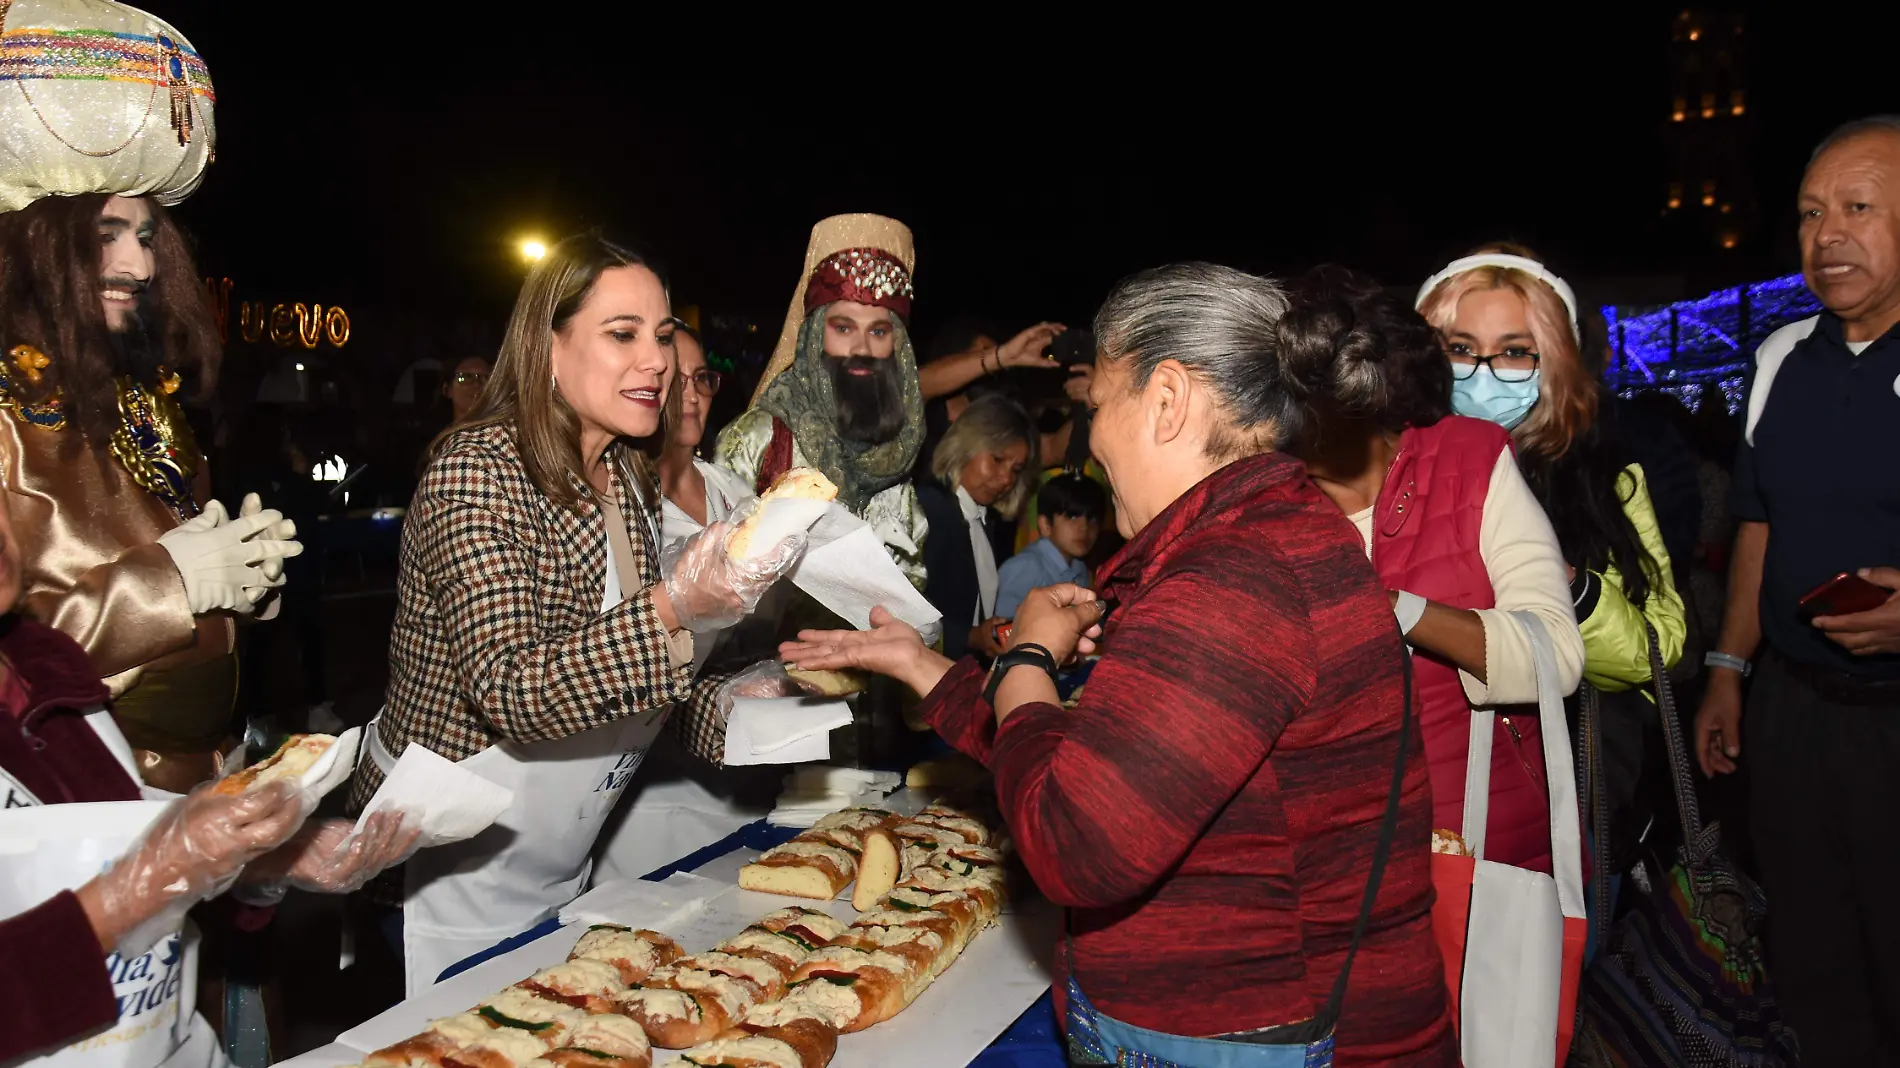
column 1679, row 347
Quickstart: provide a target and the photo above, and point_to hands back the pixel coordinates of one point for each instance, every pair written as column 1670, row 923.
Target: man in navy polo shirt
column 1817, row 490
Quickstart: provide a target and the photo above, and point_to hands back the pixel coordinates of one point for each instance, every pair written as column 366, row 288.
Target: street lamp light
column 532, row 250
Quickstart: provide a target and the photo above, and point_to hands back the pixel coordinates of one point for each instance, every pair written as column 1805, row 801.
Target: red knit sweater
column 1209, row 810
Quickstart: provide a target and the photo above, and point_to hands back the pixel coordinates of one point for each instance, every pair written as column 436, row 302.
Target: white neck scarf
column 973, row 513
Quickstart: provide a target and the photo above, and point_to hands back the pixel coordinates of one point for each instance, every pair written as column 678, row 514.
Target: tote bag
column 1512, row 938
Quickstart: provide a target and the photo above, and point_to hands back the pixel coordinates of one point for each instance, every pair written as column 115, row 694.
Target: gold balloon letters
column 296, row 325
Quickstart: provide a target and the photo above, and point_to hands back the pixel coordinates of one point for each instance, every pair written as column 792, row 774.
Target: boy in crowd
column 1069, row 518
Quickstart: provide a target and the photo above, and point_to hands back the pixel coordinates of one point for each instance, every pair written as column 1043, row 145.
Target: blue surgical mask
column 1482, row 396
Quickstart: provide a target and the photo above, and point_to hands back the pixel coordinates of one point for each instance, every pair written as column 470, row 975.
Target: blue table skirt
column 1033, row 1041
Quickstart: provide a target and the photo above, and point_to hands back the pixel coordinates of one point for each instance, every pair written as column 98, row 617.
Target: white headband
column 1516, row 263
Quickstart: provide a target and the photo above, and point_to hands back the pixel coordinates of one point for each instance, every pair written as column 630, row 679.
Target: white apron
column 462, row 898
column 680, row 805
column 45, row 849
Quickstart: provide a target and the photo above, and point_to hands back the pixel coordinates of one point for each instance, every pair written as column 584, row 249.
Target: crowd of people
column 1238, row 612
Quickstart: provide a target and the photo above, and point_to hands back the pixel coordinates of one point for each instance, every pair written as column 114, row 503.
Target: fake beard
column 870, row 407
column 138, row 351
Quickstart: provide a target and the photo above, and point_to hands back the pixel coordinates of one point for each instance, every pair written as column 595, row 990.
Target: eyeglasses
column 463, row 378
column 1512, row 365
column 705, row 380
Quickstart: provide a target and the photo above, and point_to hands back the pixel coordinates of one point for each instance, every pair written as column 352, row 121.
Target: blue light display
column 1678, row 347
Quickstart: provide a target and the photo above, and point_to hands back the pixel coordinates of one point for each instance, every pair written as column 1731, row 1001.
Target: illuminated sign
column 288, row 326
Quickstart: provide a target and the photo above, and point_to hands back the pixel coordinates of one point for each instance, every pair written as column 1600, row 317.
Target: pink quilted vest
column 1425, row 539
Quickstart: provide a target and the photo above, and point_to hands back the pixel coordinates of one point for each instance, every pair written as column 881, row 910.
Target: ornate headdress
column 863, row 258
column 103, row 98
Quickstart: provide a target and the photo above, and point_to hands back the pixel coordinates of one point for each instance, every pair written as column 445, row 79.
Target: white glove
column 230, row 563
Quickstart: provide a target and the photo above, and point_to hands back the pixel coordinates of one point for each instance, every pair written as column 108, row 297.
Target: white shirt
column 725, row 492
column 973, row 514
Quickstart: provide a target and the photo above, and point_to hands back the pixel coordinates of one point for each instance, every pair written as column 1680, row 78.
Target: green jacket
column 1615, row 643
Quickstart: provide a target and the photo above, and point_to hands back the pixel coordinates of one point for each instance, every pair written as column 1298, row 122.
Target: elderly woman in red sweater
column 1212, row 811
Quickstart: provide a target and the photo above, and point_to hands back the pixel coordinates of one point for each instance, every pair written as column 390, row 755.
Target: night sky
column 390, row 165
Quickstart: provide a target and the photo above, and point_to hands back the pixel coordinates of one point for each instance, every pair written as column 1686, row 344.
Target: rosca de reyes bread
column 828, row 683
column 818, row 863
column 291, row 760
column 777, row 994
column 880, row 865
column 698, row 998
column 891, row 954
column 799, row 483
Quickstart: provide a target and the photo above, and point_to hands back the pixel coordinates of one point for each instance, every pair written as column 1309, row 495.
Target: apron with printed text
column 462, row 898
column 45, row 849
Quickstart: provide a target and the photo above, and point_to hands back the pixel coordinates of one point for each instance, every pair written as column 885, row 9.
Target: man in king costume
column 841, row 392
column 102, row 323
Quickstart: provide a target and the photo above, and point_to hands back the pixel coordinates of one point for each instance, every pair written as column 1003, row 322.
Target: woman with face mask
column 1457, row 538
column 1509, row 327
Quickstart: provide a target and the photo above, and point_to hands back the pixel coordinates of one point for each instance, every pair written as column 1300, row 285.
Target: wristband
column 1410, row 609
column 1028, row 653
column 1729, row 661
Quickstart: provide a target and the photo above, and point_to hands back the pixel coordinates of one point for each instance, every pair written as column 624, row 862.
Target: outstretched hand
column 891, row 647
column 1025, row 349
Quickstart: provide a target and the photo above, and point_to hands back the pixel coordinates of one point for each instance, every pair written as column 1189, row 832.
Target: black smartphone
column 1073, row 346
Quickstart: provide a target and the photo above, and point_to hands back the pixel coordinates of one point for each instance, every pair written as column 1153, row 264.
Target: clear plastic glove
column 230, row 563
column 329, row 857
column 711, row 590
column 767, row 678
column 192, row 852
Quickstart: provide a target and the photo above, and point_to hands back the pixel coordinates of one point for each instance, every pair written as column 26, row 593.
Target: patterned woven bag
column 1679, row 981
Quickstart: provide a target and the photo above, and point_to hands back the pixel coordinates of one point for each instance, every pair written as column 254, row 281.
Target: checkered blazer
column 499, row 634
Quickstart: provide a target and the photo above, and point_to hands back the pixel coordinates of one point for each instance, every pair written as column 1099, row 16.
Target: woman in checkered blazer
column 539, row 639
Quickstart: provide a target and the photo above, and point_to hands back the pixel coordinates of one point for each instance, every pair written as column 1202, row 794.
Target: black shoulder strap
column 1308, row 1031
column 1388, row 830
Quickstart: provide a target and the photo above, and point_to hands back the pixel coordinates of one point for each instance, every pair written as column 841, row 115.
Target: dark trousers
column 1824, row 803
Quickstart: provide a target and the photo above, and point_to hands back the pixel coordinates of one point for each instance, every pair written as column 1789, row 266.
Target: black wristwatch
column 1026, row 653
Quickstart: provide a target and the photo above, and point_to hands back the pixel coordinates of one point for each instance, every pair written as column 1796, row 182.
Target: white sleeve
column 1526, row 566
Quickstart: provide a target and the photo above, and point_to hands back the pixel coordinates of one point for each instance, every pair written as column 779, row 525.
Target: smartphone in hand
column 1842, row 595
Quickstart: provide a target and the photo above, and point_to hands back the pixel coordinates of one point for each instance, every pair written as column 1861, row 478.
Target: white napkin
column 829, row 779
column 782, row 517
column 450, row 802
column 641, row 903
column 847, row 570
column 782, row 730
column 812, row 793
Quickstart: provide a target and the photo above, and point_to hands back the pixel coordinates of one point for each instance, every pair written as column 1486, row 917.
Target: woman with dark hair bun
column 1453, row 531
column 1235, row 812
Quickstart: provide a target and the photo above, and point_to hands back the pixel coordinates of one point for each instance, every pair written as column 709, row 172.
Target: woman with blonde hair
column 541, row 638
column 981, row 465
column 1510, row 329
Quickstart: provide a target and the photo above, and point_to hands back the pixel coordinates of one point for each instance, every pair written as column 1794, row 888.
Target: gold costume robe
column 91, row 566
